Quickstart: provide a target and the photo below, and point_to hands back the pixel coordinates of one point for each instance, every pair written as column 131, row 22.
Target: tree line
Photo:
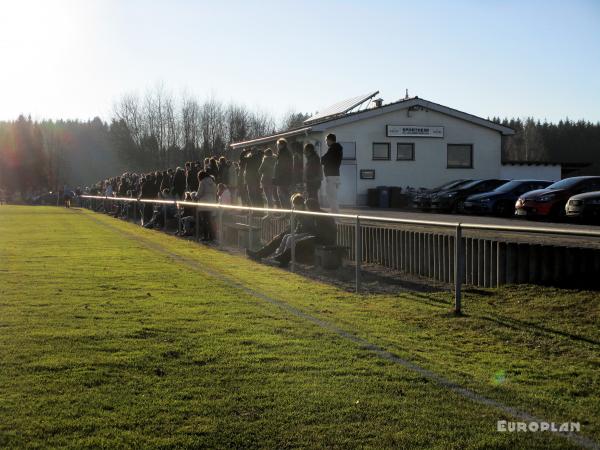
column 158, row 130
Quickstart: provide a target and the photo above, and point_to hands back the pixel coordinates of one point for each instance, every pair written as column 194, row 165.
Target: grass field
column 115, row 336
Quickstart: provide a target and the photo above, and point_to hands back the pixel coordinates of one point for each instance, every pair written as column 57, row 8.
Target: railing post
column 292, row 241
column 135, row 211
column 197, row 225
column 164, row 205
column 358, row 252
column 250, row 233
column 220, row 226
column 458, row 265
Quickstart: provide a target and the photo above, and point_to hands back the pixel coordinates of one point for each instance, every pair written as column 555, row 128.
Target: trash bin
column 372, row 198
column 384, row 196
column 397, row 199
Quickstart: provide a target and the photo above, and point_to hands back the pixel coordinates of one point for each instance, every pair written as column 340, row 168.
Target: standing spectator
column 192, row 176
column 223, row 194
column 331, row 166
column 266, row 177
column 252, row 177
column 282, row 174
column 232, row 181
column 298, row 168
column 223, row 170
column 179, row 183
column 213, row 168
column 242, row 177
column 313, row 174
column 146, row 191
column 206, row 194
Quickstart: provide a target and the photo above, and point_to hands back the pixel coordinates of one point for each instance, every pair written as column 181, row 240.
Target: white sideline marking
column 578, row 439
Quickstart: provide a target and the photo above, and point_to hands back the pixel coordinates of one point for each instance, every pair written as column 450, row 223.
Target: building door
column 347, row 192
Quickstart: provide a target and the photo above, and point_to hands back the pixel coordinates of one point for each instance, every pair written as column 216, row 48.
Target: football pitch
column 115, row 336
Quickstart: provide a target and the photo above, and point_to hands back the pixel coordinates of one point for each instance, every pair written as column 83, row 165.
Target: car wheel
column 502, row 209
column 557, row 213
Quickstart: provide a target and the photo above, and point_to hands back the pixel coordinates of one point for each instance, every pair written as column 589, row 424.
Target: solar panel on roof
column 341, row 107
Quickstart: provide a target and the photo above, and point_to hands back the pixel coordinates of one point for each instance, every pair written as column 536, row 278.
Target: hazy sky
column 73, row 59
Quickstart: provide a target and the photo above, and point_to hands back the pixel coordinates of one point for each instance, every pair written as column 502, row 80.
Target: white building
column 412, row 142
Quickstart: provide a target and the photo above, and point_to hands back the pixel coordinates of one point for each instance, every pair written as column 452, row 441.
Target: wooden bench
column 239, row 234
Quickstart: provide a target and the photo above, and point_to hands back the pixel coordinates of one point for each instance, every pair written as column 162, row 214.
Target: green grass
column 115, row 336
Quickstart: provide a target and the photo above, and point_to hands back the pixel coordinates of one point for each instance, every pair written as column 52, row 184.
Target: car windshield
column 468, row 184
column 565, row 184
column 507, row 187
column 449, row 185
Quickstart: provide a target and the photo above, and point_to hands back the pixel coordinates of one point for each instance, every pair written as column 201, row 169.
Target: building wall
column 550, row 172
column 429, row 167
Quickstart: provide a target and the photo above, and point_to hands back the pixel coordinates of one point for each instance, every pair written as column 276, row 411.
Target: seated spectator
column 282, row 242
column 188, row 216
column 311, row 231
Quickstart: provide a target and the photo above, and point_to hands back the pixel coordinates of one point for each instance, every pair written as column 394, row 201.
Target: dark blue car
column 501, row 201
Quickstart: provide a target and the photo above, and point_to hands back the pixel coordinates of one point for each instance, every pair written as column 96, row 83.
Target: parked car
column 550, row 202
column 584, row 207
column 451, row 200
column 422, row 200
column 501, row 201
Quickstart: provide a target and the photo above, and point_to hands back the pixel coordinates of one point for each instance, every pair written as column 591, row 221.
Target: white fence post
column 458, row 265
column 358, row 252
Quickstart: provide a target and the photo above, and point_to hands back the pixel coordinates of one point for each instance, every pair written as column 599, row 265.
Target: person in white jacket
column 207, row 193
column 223, row 194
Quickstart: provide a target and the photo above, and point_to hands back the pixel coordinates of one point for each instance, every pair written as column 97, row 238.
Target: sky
column 73, row 59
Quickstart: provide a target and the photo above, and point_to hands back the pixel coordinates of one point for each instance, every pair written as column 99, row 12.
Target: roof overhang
column 409, row 103
column 271, row 138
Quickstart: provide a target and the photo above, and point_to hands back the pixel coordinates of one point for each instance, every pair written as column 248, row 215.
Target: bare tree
column 237, row 120
column 189, row 126
column 128, row 109
column 212, row 126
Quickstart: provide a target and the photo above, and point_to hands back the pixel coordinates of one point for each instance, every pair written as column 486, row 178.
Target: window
column 349, row 152
column 367, row 174
column 405, row 151
column 460, row 156
column 381, row 151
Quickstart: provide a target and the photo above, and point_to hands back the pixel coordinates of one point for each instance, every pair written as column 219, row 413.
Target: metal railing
column 456, row 228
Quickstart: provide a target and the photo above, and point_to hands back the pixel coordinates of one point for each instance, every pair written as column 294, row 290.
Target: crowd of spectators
column 277, row 179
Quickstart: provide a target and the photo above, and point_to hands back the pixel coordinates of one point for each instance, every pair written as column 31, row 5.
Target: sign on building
column 414, row 131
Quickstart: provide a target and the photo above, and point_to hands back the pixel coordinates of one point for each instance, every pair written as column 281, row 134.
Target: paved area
column 546, row 238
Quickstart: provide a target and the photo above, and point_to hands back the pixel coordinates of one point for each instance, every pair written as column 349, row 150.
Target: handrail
column 463, row 225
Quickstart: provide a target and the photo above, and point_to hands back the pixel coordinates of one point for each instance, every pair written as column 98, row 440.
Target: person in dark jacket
column 313, row 174
column 179, row 183
column 242, row 177
column 192, row 177
column 283, row 174
column 147, row 191
column 298, row 168
column 252, row 177
column 266, row 177
column 223, row 171
column 331, row 162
